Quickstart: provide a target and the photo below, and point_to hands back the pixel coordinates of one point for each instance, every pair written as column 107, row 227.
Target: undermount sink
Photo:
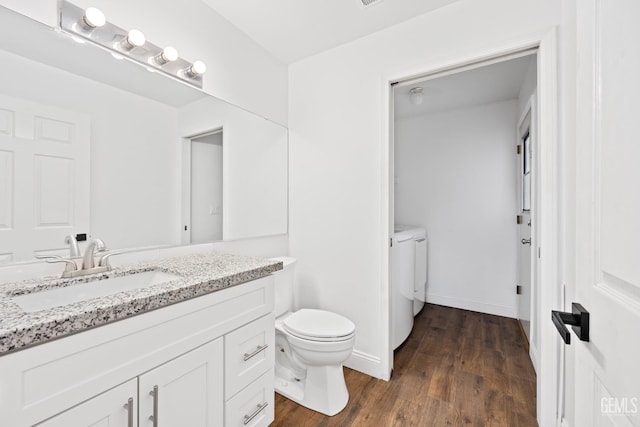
column 84, row 291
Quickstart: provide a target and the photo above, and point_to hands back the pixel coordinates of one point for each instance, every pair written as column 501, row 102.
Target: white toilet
column 311, row 346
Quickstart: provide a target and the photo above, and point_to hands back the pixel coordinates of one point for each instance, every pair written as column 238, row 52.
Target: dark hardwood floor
column 457, row 368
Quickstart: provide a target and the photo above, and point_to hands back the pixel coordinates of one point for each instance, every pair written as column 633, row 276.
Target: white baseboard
column 365, row 363
column 472, row 305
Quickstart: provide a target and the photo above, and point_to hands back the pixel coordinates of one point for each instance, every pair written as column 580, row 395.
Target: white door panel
column 44, row 177
column 608, row 201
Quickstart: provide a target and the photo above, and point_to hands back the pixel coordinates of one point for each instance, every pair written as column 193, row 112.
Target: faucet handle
column 48, row 257
column 104, row 259
column 70, row 264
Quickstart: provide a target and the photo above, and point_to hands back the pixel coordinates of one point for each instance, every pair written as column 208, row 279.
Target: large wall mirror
column 94, row 144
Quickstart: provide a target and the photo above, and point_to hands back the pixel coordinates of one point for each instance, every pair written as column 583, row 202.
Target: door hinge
column 518, row 219
column 518, row 289
column 518, row 149
column 390, row 243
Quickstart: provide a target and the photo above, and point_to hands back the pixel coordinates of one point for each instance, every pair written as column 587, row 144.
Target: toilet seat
column 319, row 325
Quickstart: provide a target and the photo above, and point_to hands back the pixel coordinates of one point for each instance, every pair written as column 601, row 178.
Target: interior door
column 44, row 178
column 525, row 173
column 607, row 376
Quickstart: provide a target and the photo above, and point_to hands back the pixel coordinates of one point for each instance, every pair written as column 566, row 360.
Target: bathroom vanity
column 196, row 349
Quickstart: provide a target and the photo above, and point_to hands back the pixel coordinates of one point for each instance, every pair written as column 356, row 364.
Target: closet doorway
column 463, row 165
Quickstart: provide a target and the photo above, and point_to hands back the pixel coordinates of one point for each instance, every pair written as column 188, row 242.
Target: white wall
column 337, row 114
column 456, row 177
column 239, row 70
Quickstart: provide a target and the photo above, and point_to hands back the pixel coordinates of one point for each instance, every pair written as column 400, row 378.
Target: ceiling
column 295, row 29
column 492, row 83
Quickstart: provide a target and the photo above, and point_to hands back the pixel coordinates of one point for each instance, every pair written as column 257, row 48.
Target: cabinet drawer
column 249, row 353
column 253, row 406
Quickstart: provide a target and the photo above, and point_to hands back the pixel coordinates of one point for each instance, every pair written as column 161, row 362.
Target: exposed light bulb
column 93, row 18
column 168, row 54
column 133, row 39
column 415, row 95
column 196, row 69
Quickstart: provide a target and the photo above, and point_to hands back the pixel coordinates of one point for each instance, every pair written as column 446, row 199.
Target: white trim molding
column 367, row 363
column 468, row 304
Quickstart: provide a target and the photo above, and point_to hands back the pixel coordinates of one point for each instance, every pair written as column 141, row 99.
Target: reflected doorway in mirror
column 204, row 175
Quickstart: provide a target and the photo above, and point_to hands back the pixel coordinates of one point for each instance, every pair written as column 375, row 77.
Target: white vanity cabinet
column 207, row 361
column 105, row 409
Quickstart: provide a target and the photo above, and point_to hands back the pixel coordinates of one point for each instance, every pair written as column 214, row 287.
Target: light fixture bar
column 127, row 43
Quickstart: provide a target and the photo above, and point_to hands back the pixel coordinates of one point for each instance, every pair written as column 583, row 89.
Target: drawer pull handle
column 129, row 407
column 260, row 348
column 154, row 417
column 259, row 408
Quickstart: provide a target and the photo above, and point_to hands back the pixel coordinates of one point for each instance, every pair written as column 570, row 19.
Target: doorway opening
column 202, row 188
column 455, row 170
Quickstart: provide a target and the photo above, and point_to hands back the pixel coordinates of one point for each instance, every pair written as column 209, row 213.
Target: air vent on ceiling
column 369, row 2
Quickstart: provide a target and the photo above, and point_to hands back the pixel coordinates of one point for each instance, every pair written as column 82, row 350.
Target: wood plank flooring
column 457, row 368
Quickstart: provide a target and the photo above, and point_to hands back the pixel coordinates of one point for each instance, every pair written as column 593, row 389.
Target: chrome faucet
column 96, row 245
column 73, row 268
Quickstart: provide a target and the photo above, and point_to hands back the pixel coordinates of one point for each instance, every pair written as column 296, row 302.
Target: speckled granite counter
column 201, row 274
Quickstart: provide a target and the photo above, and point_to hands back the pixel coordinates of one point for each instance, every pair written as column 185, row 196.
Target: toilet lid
column 318, row 325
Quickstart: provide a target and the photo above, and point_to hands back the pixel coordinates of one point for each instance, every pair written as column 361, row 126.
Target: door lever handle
column 578, row 319
column 525, row 241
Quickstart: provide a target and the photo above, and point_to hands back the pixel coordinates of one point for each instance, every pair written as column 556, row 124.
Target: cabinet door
column 113, row 408
column 187, row 391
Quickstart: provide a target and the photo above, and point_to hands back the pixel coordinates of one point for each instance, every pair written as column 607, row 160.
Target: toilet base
column 323, row 390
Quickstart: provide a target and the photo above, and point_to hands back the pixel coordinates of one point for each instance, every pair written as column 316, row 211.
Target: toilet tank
column 284, row 285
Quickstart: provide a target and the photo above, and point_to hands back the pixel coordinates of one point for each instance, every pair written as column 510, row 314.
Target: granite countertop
column 200, row 274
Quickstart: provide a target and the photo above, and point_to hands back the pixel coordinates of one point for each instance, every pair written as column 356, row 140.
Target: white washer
column 402, row 282
column 421, row 263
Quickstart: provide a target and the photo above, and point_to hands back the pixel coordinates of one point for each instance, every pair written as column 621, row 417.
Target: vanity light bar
column 91, row 25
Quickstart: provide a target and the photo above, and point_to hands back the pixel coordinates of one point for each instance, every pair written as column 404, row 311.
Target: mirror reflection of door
column 206, row 187
column 524, row 227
